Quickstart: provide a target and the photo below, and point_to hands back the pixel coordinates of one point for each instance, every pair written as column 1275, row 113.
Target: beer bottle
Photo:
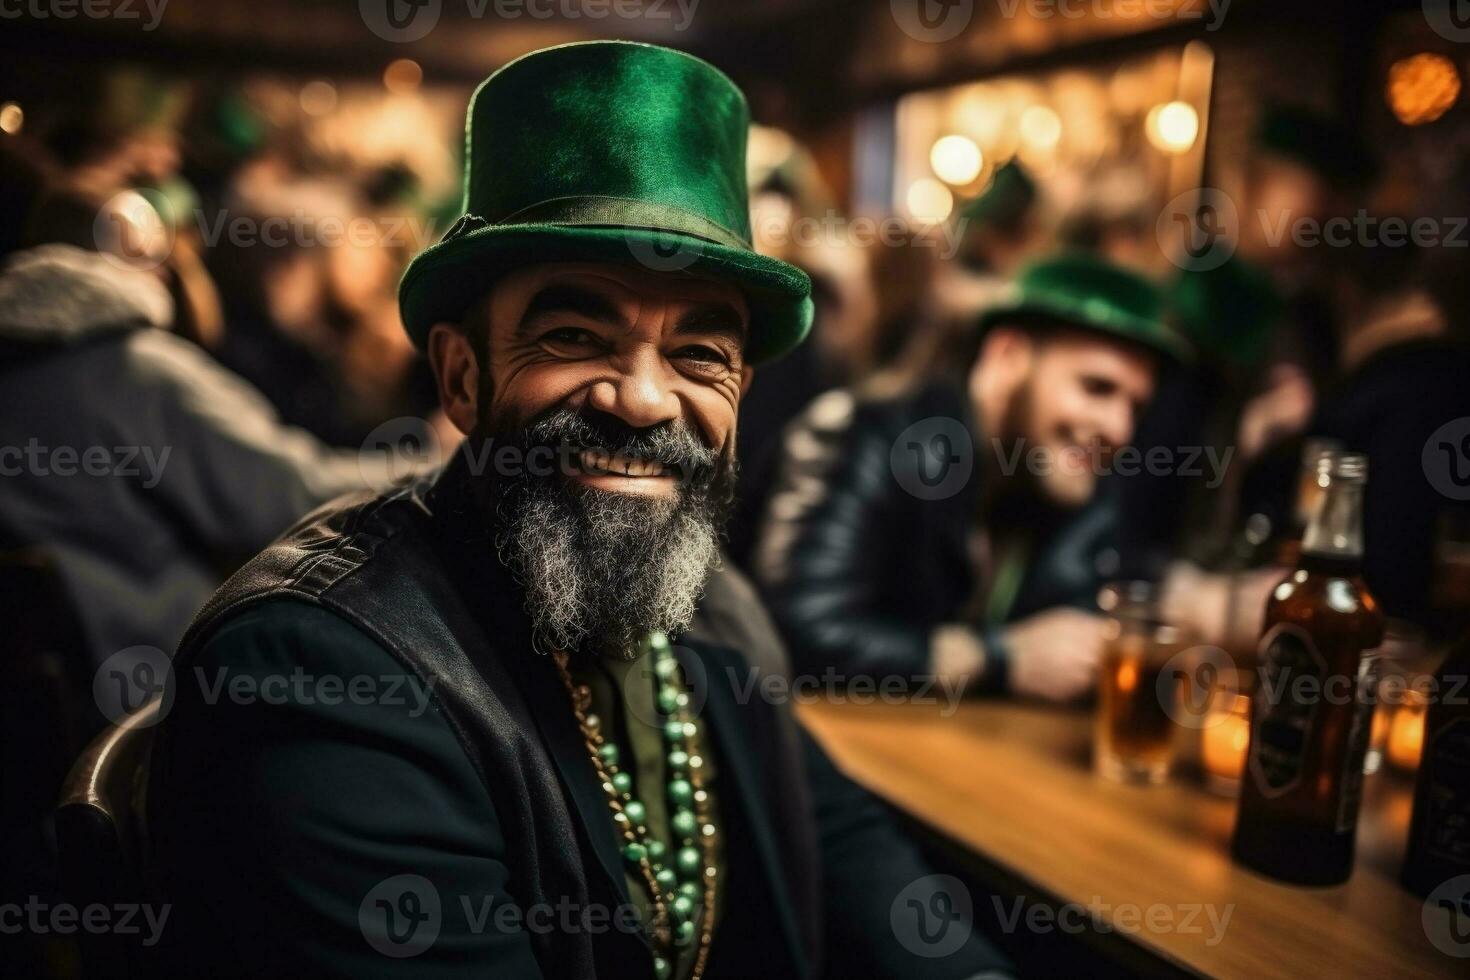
column 1439, row 834
column 1308, row 496
column 1312, row 710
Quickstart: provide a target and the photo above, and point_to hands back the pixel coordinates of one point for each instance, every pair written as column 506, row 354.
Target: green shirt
column 623, row 698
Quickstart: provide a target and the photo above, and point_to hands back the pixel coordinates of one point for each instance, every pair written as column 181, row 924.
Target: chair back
column 102, row 837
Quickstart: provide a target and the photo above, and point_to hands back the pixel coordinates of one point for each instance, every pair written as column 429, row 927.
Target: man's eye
column 570, row 336
column 702, row 354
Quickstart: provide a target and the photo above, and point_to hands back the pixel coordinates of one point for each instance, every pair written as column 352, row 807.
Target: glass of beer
column 1135, row 728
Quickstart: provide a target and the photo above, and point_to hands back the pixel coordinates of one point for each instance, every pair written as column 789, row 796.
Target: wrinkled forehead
column 627, row 289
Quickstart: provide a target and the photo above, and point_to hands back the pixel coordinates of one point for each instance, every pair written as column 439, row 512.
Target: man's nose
column 1115, row 423
column 640, row 394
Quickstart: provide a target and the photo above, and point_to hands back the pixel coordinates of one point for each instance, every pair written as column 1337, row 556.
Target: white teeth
column 597, row 461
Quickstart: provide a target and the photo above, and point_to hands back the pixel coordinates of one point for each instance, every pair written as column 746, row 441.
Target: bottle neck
column 1335, row 531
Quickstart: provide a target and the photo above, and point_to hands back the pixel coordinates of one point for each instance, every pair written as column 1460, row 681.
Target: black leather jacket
column 866, row 546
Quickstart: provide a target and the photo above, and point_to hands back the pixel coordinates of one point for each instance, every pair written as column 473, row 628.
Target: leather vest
column 396, row 567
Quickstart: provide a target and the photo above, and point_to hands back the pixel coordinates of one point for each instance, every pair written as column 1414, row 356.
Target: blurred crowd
column 234, row 386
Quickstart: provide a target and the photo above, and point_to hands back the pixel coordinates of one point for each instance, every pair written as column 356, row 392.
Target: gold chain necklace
column 671, row 889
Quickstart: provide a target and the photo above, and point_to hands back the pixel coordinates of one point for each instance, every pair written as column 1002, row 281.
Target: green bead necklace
column 675, row 882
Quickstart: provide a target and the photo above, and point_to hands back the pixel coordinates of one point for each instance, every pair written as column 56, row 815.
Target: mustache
column 673, row 444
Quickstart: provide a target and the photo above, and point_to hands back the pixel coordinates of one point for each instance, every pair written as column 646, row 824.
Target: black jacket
column 280, row 827
column 867, row 542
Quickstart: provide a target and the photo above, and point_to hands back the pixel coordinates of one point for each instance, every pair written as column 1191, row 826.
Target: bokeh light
column 929, row 200
column 12, row 118
column 1041, row 127
column 318, row 98
column 956, row 159
column 403, row 76
column 1423, row 87
column 1172, row 127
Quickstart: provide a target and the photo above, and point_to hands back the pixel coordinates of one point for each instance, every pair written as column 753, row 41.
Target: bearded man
column 962, row 529
column 446, row 732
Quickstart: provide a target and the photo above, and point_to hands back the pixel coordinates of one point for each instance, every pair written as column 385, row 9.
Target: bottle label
column 1284, row 720
column 1447, row 826
column 1351, row 795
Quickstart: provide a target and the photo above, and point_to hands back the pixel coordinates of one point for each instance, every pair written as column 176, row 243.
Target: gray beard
column 600, row 570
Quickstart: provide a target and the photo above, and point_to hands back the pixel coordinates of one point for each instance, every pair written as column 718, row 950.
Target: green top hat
column 608, row 151
column 1080, row 290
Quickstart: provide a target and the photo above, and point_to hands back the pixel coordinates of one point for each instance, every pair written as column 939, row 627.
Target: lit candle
column 1226, row 737
column 1406, row 733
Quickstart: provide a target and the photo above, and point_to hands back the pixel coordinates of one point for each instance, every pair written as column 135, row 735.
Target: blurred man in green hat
column 499, row 723
column 962, row 530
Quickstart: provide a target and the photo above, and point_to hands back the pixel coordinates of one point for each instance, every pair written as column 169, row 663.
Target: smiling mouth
column 596, row 462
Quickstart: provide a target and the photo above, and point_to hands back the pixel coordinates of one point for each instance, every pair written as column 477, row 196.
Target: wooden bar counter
column 1011, row 787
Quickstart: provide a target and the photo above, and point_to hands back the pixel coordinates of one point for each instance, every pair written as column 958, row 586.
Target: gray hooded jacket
column 143, row 469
